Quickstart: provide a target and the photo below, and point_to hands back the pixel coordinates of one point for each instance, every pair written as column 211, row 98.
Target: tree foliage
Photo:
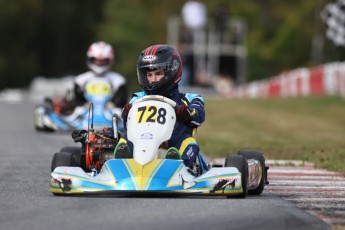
column 49, row 38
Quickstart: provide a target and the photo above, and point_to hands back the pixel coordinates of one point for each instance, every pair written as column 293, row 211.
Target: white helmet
column 100, row 57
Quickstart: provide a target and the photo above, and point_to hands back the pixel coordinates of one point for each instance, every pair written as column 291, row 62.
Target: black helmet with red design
column 164, row 57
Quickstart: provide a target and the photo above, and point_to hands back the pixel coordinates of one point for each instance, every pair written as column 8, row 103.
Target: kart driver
column 159, row 70
column 99, row 59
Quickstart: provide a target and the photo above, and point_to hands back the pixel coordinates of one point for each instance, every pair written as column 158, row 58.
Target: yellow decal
column 146, row 114
column 99, row 88
column 186, row 142
column 173, row 182
column 151, row 114
column 142, row 174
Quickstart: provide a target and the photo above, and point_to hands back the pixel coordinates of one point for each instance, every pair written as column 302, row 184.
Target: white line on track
column 317, row 191
column 309, row 178
column 306, row 182
column 318, row 199
column 302, row 171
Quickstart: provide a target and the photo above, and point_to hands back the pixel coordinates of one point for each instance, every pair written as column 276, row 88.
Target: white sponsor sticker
column 149, row 58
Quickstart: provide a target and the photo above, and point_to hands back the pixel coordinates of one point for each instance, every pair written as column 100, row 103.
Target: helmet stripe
column 155, row 48
column 147, row 50
column 178, row 79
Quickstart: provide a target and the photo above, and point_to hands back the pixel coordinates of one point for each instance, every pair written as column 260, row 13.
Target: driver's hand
column 183, row 114
column 125, row 111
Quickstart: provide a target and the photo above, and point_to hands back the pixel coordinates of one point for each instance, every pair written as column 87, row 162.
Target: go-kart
column 48, row 116
column 93, row 169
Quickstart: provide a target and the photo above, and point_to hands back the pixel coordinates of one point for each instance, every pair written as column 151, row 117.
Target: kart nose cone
column 157, row 175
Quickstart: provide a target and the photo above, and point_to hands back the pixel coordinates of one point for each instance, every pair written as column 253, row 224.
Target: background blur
column 257, row 38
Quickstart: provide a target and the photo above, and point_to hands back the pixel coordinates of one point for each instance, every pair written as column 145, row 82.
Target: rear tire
column 240, row 163
column 253, row 154
column 62, row 159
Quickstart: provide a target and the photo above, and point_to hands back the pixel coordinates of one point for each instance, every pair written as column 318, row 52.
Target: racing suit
column 183, row 136
column 117, row 81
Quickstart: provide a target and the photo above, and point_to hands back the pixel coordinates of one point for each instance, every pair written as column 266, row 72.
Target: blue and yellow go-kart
column 93, row 169
column 98, row 92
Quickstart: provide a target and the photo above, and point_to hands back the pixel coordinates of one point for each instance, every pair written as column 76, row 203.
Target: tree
column 17, row 52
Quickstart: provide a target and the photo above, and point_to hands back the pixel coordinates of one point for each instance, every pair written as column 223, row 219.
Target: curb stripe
column 316, row 191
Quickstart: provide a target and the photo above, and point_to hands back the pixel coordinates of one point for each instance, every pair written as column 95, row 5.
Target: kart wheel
column 253, row 154
column 62, row 159
column 240, row 163
column 76, row 154
column 71, row 149
column 45, row 129
column 39, row 125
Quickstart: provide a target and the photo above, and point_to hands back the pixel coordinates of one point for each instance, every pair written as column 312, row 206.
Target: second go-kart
column 93, row 169
column 47, row 116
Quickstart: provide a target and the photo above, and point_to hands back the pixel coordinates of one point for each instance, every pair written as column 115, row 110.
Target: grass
column 307, row 128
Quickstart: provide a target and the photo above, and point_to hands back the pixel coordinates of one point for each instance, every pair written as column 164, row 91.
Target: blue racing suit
column 183, row 136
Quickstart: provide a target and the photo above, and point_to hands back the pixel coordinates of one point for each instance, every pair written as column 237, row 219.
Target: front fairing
column 160, row 175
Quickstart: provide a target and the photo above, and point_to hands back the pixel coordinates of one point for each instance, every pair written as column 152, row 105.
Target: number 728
column 151, row 114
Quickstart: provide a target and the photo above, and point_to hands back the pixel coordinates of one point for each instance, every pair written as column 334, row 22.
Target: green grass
column 309, row 128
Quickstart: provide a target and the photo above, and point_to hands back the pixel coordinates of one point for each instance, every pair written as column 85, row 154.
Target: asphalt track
column 304, row 186
column 26, row 203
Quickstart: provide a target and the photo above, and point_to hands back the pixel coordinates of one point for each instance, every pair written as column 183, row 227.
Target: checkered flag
column 333, row 15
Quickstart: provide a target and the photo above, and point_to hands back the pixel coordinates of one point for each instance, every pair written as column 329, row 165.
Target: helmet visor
column 100, row 62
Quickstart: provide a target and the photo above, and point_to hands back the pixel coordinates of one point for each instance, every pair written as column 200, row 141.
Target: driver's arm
column 120, row 97
column 78, row 95
column 197, row 111
column 191, row 111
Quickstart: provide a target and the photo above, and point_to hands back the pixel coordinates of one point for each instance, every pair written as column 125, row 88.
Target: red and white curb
column 316, row 191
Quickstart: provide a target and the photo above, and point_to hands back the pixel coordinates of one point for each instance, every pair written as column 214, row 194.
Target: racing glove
column 125, row 111
column 184, row 115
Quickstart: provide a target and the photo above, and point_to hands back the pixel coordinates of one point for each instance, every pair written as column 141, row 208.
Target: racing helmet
column 163, row 57
column 100, row 57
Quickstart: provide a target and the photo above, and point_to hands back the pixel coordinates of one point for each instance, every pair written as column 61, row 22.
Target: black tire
column 240, row 163
column 62, row 159
column 253, row 154
column 71, row 149
column 44, row 129
column 76, row 154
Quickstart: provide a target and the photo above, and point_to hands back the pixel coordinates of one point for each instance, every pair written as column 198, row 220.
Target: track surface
column 26, row 203
column 317, row 191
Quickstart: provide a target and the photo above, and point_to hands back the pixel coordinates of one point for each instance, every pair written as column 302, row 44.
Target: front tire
column 253, row 154
column 240, row 163
column 76, row 154
column 62, row 159
column 39, row 113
